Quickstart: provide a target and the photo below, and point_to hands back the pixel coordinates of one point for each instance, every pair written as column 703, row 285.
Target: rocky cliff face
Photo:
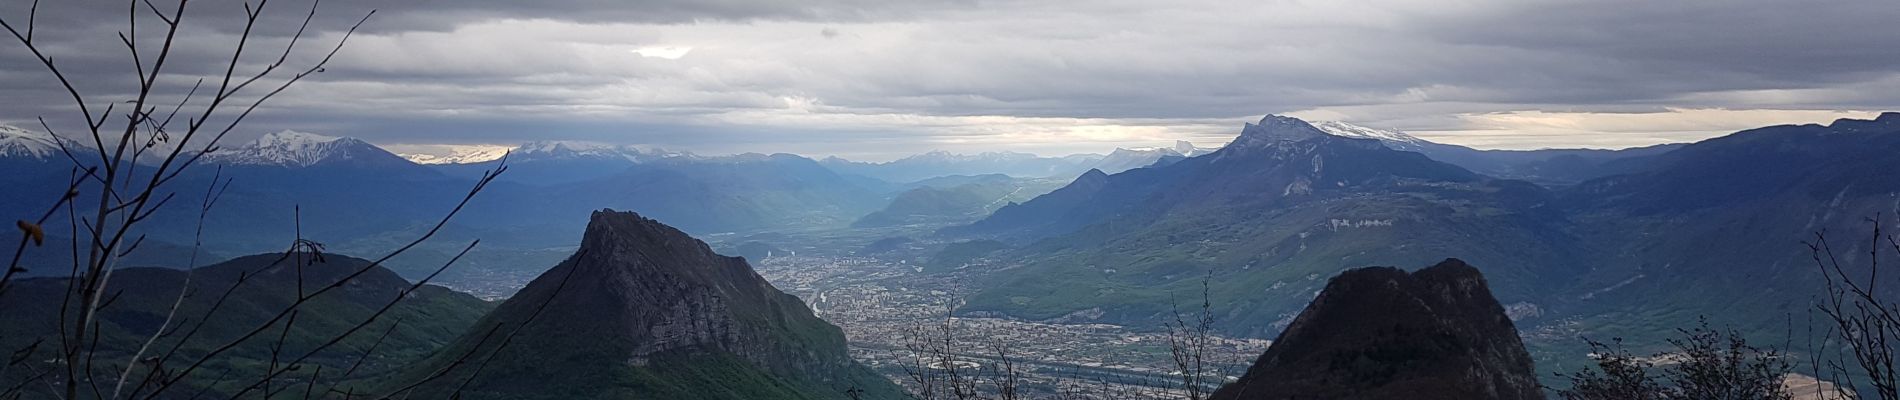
column 644, row 311
column 1382, row 333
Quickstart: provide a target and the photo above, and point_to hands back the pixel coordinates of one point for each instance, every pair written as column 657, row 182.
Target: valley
column 880, row 306
column 949, row 200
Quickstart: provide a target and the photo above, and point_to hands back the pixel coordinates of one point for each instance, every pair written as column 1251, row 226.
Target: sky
column 877, row 79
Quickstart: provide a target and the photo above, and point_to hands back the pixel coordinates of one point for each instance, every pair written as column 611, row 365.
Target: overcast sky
column 877, row 79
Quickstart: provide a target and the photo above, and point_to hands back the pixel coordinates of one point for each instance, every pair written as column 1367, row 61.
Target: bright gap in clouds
column 1529, row 130
column 666, row 52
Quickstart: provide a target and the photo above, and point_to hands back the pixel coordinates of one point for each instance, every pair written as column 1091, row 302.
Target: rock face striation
column 644, row 311
column 1382, row 333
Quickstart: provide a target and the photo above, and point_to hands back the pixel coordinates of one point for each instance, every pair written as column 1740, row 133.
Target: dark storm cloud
column 736, row 75
column 1657, row 50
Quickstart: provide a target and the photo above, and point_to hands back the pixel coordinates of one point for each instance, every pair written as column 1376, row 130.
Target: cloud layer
column 876, row 79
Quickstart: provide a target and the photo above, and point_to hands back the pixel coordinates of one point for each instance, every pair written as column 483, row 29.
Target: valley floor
column 879, row 304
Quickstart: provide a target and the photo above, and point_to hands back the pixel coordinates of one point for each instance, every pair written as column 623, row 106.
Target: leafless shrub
column 1703, row 363
column 1188, row 341
column 129, row 192
column 942, row 359
column 1855, row 314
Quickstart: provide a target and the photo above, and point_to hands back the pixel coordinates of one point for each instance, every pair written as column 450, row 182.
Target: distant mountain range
column 347, row 187
column 1126, row 159
column 943, row 163
column 292, row 149
column 357, row 197
column 1282, row 205
column 956, row 199
column 1549, row 167
column 1647, row 247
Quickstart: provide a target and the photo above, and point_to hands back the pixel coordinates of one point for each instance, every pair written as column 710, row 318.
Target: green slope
column 430, row 318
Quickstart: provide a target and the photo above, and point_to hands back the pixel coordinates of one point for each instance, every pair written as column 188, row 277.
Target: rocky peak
column 1383, row 333
column 643, row 296
column 615, row 231
column 1276, row 128
column 1184, row 147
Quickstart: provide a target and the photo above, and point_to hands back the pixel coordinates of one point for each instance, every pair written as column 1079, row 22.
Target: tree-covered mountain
column 1546, row 166
column 643, row 311
column 1267, row 215
column 1724, row 216
column 259, row 287
column 1630, row 255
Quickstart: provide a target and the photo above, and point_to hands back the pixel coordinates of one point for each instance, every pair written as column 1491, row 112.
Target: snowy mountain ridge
column 582, row 150
column 1391, row 137
column 17, row 142
column 296, row 149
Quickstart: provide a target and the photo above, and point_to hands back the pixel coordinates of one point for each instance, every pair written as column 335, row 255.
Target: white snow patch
column 1344, row 129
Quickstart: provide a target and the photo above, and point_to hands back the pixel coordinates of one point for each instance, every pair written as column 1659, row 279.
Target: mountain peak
column 290, row 138
column 303, row 149
column 616, row 231
column 1456, row 343
column 1185, row 148
column 640, row 298
column 1277, row 128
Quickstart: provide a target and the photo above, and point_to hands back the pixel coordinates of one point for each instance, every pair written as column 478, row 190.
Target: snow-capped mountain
column 576, row 150
column 559, row 161
column 302, row 149
column 1394, row 139
column 457, row 155
column 21, row 143
column 1123, row 159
